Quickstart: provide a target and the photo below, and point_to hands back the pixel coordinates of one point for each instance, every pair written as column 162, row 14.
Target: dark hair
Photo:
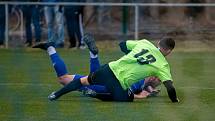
column 167, row 43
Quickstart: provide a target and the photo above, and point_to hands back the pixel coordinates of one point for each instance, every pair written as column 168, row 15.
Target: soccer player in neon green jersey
column 142, row 59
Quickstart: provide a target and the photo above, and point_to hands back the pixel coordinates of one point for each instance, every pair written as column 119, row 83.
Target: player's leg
column 115, row 88
column 93, row 90
column 59, row 66
column 90, row 42
column 75, row 85
column 94, row 65
column 78, row 83
column 71, row 86
column 94, row 62
column 93, row 50
column 104, row 76
column 57, row 62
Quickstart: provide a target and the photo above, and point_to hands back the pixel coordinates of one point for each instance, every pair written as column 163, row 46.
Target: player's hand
column 141, row 95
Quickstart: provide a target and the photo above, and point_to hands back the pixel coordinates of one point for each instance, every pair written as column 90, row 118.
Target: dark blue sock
column 72, row 86
column 58, row 65
column 94, row 64
column 97, row 88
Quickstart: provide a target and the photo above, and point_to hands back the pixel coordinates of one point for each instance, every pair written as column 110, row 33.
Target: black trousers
column 2, row 24
column 105, row 76
column 74, row 24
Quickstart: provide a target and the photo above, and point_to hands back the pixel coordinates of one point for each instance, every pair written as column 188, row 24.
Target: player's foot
column 82, row 46
column 2, row 46
column 44, row 45
column 89, row 92
column 28, row 44
column 90, row 42
column 52, row 96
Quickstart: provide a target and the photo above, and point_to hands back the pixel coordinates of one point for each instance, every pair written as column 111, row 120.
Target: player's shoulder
column 161, row 60
column 141, row 41
column 146, row 42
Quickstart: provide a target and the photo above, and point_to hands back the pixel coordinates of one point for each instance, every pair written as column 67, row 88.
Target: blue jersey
column 137, row 87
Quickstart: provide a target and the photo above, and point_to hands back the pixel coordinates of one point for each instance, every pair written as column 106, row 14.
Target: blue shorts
column 97, row 88
column 77, row 76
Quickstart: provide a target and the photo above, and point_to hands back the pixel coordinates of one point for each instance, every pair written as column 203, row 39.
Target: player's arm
column 127, row 46
column 171, row 90
column 137, row 87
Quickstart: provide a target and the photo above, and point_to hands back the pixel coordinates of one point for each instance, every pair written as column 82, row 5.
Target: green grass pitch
column 27, row 78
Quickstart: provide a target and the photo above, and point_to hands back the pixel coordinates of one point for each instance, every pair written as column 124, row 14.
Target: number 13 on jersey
column 148, row 59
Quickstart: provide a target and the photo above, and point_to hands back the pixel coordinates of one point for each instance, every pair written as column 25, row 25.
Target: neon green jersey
column 143, row 61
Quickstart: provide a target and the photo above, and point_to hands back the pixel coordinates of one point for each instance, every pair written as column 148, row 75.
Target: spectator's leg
column 70, row 28
column 49, row 16
column 27, row 13
column 36, row 22
column 80, row 23
column 59, row 25
column 2, row 24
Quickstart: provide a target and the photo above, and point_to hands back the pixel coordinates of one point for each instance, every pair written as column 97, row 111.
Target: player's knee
column 65, row 79
column 84, row 80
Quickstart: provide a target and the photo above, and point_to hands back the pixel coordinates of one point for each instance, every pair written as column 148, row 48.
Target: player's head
column 152, row 81
column 166, row 45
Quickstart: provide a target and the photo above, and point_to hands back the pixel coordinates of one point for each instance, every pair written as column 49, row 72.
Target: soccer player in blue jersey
column 143, row 60
column 147, row 84
column 97, row 91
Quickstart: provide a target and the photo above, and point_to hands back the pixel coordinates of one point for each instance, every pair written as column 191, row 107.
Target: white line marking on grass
column 25, row 84
column 191, row 87
column 46, row 84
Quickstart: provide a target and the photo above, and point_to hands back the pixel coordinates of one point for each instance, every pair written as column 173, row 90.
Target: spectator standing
column 2, row 25
column 55, row 22
column 31, row 14
column 74, row 19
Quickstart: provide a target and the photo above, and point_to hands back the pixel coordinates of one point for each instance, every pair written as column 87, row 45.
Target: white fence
column 135, row 5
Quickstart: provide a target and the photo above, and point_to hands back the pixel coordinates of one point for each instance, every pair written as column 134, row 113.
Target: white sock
column 51, row 50
column 92, row 55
